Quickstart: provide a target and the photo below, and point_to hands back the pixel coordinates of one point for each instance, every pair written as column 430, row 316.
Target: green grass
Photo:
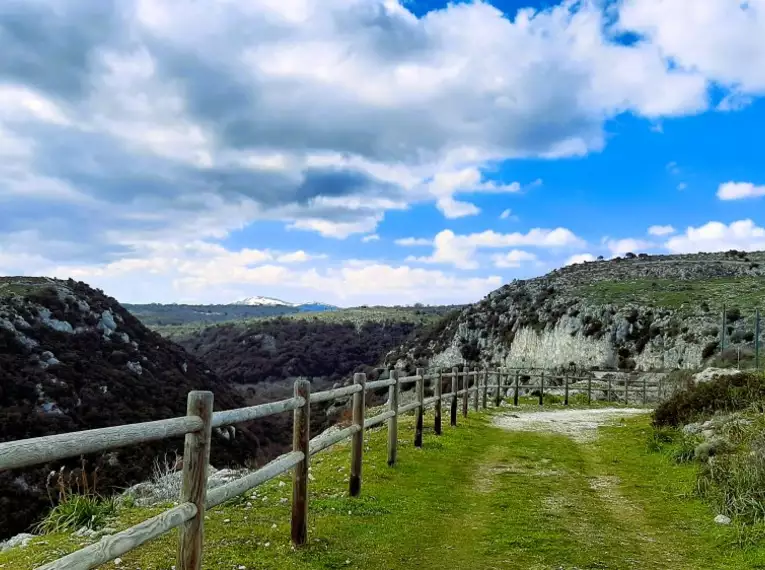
column 746, row 293
column 77, row 511
column 474, row 498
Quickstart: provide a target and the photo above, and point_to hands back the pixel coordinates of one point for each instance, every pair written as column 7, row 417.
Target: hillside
column 639, row 312
column 72, row 358
column 156, row 314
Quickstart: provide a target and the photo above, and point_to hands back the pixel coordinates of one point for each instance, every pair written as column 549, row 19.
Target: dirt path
column 580, row 425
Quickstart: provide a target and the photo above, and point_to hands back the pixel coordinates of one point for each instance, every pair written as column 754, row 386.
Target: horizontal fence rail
column 482, row 386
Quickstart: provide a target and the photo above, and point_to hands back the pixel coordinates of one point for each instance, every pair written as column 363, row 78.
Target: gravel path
column 580, row 425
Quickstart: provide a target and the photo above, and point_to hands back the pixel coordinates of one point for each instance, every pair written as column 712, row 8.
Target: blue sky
column 372, row 151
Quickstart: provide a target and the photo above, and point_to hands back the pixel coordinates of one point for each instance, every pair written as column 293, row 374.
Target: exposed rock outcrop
column 642, row 312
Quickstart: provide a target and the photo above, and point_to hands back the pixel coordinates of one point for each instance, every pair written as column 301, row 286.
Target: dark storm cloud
column 50, row 45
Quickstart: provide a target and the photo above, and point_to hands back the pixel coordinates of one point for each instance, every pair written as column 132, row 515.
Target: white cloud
column 165, row 125
column 205, row 272
column 717, row 236
column 739, row 191
column 721, row 40
column 579, row 258
column 412, row 241
column 370, row 237
column 507, row 215
column 682, row 186
column 628, row 245
column 452, row 209
column 514, row 258
column 660, row 230
column 297, row 257
column 673, row 168
column 460, row 250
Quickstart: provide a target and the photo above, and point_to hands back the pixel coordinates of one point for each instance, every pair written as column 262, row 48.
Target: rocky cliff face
column 71, row 359
column 635, row 313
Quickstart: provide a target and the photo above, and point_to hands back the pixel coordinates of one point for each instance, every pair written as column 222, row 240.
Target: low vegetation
column 719, row 427
column 726, row 393
column 746, row 293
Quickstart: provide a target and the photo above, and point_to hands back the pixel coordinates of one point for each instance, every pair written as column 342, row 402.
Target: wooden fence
column 197, row 426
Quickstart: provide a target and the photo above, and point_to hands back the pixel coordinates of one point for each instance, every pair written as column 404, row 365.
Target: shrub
column 735, row 484
column 733, row 314
column 709, row 349
column 77, row 511
column 79, row 505
column 724, row 393
column 678, row 446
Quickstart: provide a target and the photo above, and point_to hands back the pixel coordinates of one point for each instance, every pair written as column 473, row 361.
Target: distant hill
column 634, row 312
column 266, row 355
column 252, row 307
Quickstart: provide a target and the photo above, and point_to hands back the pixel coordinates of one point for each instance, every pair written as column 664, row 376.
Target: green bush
column 77, row 511
column 678, row 446
column 735, row 485
column 725, row 393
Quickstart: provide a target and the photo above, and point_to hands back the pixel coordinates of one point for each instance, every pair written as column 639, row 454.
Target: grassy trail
column 475, row 498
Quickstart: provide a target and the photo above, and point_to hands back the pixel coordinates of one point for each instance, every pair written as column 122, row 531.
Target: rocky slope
column 72, row 358
column 635, row 313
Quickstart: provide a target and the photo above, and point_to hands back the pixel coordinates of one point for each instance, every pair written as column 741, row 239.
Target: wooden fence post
column 626, row 390
column 420, row 409
column 357, row 442
column 301, row 422
column 455, row 389
column 659, row 391
column 542, row 389
column 498, row 377
column 516, row 392
column 644, row 390
column 565, row 397
column 196, row 458
column 466, row 395
column 589, row 390
column 437, row 393
column 393, row 392
column 485, row 387
column 609, row 389
column 477, row 387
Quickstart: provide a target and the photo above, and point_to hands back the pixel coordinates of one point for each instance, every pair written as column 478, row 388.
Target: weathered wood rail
column 200, row 419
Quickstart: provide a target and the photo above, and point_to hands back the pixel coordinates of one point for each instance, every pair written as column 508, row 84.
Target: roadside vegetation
column 719, row 428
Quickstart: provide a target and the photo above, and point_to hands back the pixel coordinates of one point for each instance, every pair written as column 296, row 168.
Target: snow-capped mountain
column 264, row 302
column 271, row 302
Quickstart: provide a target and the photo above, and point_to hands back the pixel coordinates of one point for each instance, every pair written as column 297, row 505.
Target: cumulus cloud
column 514, row 258
column 205, row 272
column 579, row 258
column 717, row 236
column 461, row 250
column 660, row 230
column 412, row 241
column 507, row 215
column 627, row 245
column 739, row 191
column 370, row 237
column 168, row 121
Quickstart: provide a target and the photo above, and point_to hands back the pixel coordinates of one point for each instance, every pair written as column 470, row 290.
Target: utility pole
column 757, row 340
